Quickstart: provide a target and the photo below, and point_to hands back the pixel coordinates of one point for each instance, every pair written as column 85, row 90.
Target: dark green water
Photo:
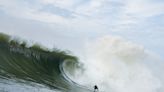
column 33, row 64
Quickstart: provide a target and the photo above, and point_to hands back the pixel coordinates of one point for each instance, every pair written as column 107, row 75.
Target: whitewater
column 111, row 62
column 118, row 65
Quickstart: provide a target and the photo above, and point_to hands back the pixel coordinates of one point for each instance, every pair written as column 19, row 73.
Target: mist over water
column 112, row 63
column 117, row 65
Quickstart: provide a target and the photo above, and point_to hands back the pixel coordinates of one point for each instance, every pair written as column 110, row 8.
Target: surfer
column 95, row 88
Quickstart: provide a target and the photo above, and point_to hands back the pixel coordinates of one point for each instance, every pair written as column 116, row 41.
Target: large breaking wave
column 115, row 65
column 33, row 65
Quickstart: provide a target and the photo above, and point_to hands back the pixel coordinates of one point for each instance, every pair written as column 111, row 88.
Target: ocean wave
column 34, row 64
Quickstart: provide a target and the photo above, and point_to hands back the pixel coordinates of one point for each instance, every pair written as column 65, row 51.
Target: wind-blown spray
column 117, row 65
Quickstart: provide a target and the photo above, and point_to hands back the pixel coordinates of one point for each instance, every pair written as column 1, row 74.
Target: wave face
column 35, row 66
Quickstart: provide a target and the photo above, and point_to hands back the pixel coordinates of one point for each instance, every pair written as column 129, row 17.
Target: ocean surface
column 115, row 65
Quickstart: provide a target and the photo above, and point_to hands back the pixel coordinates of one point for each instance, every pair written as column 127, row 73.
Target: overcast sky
column 68, row 24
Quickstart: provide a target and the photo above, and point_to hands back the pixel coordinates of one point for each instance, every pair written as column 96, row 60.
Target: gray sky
column 69, row 24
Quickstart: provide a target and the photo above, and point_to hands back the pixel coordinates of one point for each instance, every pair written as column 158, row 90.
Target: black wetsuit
column 95, row 88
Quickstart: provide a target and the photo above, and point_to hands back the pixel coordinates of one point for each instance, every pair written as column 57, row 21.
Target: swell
column 33, row 64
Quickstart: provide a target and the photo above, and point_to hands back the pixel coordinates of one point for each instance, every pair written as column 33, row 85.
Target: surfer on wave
column 96, row 88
